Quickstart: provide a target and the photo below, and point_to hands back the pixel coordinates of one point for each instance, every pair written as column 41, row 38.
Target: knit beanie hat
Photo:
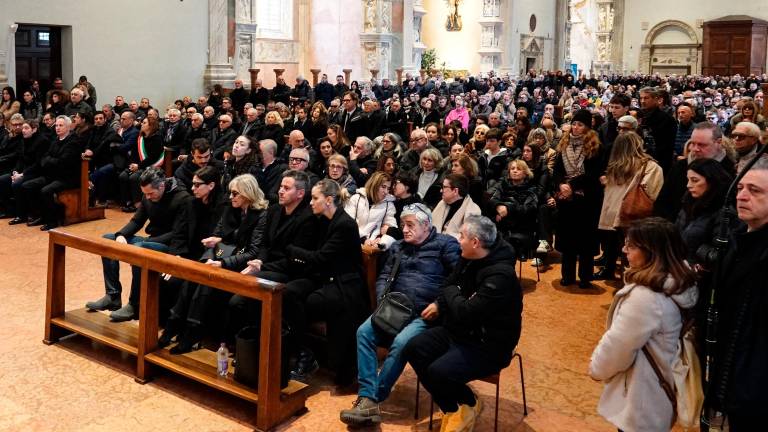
column 583, row 116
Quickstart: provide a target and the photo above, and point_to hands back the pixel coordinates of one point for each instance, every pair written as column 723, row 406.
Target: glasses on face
column 346, row 100
column 234, row 194
column 224, row 121
column 335, row 167
column 296, row 160
column 446, row 187
column 197, row 184
column 739, row 136
column 418, row 208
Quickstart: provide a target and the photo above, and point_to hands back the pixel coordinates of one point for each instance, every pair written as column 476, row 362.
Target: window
column 43, row 38
column 274, row 19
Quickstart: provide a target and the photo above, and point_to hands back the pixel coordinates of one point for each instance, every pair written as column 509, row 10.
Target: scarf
column 573, row 157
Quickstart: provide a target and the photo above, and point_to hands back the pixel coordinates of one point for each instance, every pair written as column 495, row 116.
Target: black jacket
column 9, row 151
column 521, row 202
column 62, row 161
column 31, row 154
column 482, row 304
column 269, row 179
column 276, row 133
column 325, row 92
column 221, row 142
column 206, row 217
column 105, row 145
column 741, row 290
column 367, row 162
column 669, row 201
column 174, row 135
column 298, row 228
column 243, row 232
column 354, row 124
column 260, row 96
column 170, row 219
column 153, row 146
column 187, row 169
column 663, row 128
column 193, row 134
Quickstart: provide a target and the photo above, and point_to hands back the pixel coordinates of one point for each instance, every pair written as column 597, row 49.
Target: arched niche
column 670, row 47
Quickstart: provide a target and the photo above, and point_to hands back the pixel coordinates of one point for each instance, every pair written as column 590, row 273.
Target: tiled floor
column 80, row 386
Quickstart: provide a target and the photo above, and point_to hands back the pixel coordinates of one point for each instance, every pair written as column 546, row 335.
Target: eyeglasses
column 418, row 208
column 335, row 167
column 739, row 137
column 296, row 160
column 224, row 121
column 197, row 184
column 346, row 100
column 234, row 194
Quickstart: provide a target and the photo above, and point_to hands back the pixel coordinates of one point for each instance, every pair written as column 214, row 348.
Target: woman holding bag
column 629, row 167
column 645, row 316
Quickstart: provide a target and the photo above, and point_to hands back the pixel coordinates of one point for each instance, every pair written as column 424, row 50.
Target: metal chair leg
column 522, row 382
column 416, row 410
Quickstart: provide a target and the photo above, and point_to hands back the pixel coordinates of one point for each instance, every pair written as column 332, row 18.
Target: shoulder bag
column 636, row 203
column 395, row 309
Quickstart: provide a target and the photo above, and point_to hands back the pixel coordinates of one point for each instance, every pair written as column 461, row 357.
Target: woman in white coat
column 373, row 208
column 645, row 313
column 448, row 215
column 628, row 165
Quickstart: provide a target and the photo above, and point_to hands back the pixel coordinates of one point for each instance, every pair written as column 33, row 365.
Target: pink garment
column 460, row 114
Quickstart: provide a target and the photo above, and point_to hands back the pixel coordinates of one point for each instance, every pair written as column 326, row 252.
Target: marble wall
column 335, row 37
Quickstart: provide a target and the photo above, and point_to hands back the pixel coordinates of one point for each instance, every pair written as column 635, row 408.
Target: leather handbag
column 219, row 252
column 395, row 309
column 636, row 203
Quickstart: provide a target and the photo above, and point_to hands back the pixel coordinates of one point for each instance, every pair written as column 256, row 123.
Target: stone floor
column 77, row 385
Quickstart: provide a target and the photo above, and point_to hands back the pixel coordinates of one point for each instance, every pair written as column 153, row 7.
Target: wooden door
column 38, row 56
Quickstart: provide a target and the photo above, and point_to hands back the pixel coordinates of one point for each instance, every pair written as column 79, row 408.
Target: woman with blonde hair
column 235, row 240
column 373, row 208
column 628, row 166
column 644, row 323
column 477, row 142
column 579, row 198
column 428, row 175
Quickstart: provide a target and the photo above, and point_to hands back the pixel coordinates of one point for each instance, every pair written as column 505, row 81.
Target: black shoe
column 585, row 285
column 600, row 261
column 35, row 222
column 306, row 365
column 49, row 226
column 187, row 341
column 15, row 221
column 128, row 209
column 566, row 281
column 605, row 274
column 172, row 328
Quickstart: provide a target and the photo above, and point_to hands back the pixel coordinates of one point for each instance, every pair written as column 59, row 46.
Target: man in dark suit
column 259, row 95
column 660, row 125
column 223, row 137
column 271, row 170
column 352, row 120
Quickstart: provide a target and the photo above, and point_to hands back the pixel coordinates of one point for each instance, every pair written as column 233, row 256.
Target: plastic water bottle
column 222, row 360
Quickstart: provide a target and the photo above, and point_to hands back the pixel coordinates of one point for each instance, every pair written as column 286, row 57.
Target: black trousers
column 41, row 192
column 445, row 366
column 586, row 266
column 612, row 244
column 130, row 190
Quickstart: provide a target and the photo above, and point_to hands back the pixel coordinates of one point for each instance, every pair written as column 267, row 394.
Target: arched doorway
column 671, row 47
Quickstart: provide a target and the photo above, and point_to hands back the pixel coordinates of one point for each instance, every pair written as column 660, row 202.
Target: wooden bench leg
column 148, row 322
column 54, row 301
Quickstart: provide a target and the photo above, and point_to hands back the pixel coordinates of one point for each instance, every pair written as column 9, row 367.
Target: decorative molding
column 275, row 51
column 660, row 27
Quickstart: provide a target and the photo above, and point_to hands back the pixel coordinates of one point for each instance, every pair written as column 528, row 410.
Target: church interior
column 166, row 50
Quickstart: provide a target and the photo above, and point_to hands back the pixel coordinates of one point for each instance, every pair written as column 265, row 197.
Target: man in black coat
column 281, row 92
column 660, row 125
column 271, row 171
column 340, row 87
column 259, row 95
column 238, row 96
column 167, row 206
column 59, row 170
column 739, row 381
column 201, row 157
column 608, row 131
column 351, row 119
column 173, row 131
column 10, row 142
column 223, row 137
column 706, row 143
column 480, row 309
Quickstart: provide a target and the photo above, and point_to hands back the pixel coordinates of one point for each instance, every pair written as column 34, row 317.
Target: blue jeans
column 111, row 267
column 378, row 386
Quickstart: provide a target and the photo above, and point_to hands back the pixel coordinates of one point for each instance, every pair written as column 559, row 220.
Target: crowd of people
column 455, row 181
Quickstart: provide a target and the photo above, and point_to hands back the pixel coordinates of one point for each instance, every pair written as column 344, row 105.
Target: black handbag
column 395, row 309
column 219, row 252
column 247, row 356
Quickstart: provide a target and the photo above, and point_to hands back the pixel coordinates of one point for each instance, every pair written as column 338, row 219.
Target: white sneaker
column 544, row 247
column 537, row 262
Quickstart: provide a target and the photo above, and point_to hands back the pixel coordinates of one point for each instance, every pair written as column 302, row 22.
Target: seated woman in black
column 335, row 292
column 514, row 202
column 147, row 152
column 234, row 242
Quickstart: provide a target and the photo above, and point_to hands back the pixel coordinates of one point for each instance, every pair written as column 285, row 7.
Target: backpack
column 685, row 392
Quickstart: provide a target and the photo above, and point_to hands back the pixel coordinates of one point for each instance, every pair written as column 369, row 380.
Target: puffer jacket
column 481, row 303
column 522, row 204
column 423, row 268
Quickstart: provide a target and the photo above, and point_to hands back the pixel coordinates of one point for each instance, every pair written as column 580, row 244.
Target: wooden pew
column 274, row 405
column 75, row 201
column 371, row 270
column 169, row 156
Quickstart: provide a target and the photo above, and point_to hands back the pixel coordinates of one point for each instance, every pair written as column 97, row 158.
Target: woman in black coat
column 514, row 202
column 235, row 240
column 147, row 152
column 34, row 147
column 579, row 196
column 698, row 220
column 335, row 291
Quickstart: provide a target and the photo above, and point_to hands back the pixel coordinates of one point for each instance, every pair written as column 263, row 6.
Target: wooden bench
column 75, row 201
column 168, row 158
column 274, row 405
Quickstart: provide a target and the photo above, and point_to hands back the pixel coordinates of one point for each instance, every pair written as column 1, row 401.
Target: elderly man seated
column 417, row 266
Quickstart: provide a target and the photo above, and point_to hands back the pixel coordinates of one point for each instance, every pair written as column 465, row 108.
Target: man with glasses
column 419, row 143
column 334, row 111
column 426, row 258
column 298, row 160
column 167, row 207
column 351, row 119
column 10, row 143
column 746, row 142
column 223, row 137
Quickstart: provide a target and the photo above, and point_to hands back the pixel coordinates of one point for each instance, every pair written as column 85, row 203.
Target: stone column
column 219, row 69
column 10, row 56
column 254, row 76
column 278, row 73
column 315, row 73
column 346, row 76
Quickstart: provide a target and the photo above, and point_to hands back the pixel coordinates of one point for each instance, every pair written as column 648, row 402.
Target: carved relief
column 491, row 8
column 417, row 29
column 488, row 37
column 370, row 16
column 244, row 56
column 386, row 16
column 275, row 52
column 217, row 41
column 243, row 10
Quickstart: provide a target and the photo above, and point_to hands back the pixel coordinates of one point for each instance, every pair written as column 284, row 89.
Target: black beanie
column 583, row 116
